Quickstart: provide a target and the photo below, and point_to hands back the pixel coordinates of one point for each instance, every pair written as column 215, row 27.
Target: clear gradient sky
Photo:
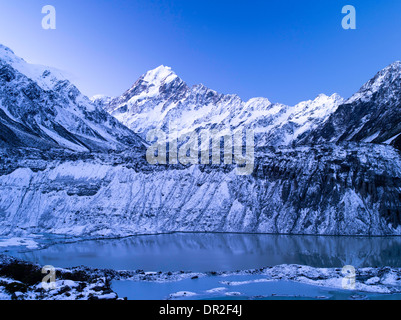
column 285, row 50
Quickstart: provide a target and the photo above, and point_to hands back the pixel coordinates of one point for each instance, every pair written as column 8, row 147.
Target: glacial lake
column 202, row 252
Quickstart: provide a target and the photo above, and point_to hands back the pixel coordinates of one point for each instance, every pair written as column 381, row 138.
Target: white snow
column 63, row 142
column 18, row 242
column 241, row 283
column 372, row 137
column 183, row 294
column 389, row 141
column 231, row 294
column 159, row 75
column 216, row 290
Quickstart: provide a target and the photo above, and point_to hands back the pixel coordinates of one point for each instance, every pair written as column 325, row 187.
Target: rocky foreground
column 20, row 280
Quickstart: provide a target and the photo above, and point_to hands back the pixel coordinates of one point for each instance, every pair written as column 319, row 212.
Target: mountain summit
column 160, row 75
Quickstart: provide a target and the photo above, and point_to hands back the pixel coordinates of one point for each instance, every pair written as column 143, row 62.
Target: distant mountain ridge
column 160, row 99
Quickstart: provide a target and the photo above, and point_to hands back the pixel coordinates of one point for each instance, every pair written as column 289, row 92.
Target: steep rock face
column 160, row 99
column 332, row 190
column 39, row 108
column 373, row 114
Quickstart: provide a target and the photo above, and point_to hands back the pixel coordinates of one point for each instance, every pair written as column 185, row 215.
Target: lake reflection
column 220, row 252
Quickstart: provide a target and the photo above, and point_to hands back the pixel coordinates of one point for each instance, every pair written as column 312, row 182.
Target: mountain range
column 160, row 99
column 76, row 166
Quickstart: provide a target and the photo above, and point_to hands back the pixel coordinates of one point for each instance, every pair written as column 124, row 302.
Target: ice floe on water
column 231, row 294
column 183, row 294
column 240, row 283
column 216, row 290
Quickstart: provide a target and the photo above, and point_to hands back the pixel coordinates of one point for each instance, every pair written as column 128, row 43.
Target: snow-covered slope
column 42, row 109
column 373, row 114
column 160, row 99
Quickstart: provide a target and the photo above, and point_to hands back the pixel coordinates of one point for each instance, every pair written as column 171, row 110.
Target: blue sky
column 285, row 50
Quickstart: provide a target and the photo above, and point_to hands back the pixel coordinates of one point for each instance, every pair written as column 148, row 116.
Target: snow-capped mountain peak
column 322, row 103
column 159, row 76
column 387, row 79
column 333, row 97
column 159, row 83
